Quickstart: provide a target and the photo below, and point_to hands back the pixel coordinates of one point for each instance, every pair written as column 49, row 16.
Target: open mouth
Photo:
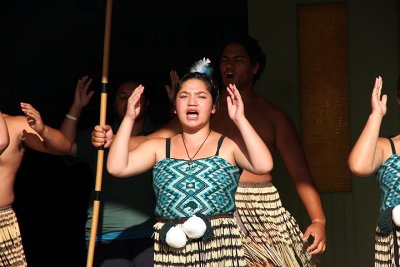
column 229, row 75
column 192, row 114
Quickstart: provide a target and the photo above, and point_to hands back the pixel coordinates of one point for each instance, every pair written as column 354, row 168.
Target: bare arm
column 121, row 162
column 4, row 135
column 81, row 99
column 105, row 136
column 39, row 136
column 291, row 150
column 255, row 157
column 367, row 154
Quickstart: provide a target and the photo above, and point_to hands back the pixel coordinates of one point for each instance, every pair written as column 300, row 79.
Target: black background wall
column 46, row 46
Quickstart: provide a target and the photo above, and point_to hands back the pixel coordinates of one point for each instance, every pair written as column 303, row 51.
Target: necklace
column 190, row 164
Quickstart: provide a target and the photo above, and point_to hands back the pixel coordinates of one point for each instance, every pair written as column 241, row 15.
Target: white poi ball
column 175, row 237
column 194, row 227
column 396, row 215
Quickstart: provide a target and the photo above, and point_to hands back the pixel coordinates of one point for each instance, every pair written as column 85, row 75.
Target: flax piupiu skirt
column 224, row 250
column 386, row 250
column 270, row 233
column 11, row 250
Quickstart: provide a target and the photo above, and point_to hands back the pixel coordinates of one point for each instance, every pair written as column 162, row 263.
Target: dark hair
column 252, row 49
column 115, row 83
column 118, row 81
column 398, row 88
column 211, row 86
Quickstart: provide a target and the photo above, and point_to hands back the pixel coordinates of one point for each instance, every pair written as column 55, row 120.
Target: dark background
column 46, row 46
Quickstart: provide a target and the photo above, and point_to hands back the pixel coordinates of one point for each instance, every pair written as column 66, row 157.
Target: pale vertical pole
column 100, row 153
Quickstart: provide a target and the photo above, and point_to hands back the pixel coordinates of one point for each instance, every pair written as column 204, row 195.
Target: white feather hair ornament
column 203, row 66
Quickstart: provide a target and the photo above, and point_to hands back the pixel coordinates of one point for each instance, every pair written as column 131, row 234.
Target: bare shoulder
column 157, row 141
column 270, row 110
column 16, row 124
column 396, row 139
column 384, row 147
column 170, row 129
column 268, row 117
column 14, row 119
column 383, row 143
column 229, row 142
column 151, row 147
column 228, row 146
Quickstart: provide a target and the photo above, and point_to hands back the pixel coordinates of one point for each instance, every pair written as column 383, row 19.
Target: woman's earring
column 174, row 111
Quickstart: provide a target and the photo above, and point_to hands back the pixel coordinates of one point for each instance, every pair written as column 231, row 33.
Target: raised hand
column 235, row 103
column 133, row 107
column 174, row 84
column 378, row 102
column 82, row 93
column 33, row 117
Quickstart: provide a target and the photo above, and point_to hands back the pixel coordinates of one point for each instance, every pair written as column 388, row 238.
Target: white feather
column 202, row 66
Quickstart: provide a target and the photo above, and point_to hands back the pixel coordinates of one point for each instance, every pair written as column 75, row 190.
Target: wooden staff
column 100, row 153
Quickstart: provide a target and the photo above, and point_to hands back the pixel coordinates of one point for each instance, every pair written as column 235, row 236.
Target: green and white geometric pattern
column 209, row 187
column 388, row 176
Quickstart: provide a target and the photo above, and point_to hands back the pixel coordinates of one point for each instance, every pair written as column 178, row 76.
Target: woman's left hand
column 133, row 107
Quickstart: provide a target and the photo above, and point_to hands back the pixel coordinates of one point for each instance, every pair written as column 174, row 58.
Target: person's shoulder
column 14, row 118
column 170, row 129
column 220, row 137
column 384, row 141
column 157, row 141
column 16, row 122
column 265, row 106
column 395, row 138
column 18, row 126
column 385, row 144
column 384, row 147
column 158, row 144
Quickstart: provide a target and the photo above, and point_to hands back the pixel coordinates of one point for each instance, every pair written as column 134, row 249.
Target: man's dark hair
column 252, row 48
